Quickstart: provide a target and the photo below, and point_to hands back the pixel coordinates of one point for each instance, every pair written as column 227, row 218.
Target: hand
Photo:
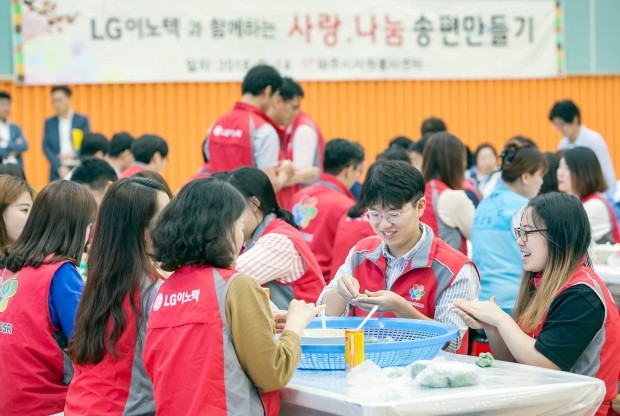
column 286, row 169
column 480, row 315
column 300, row 314
column 348, row 288
column 279, row 319
column 63, row 171
column 387, row 301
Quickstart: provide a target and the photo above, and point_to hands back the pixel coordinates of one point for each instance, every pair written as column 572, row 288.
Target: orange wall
column 369, row 112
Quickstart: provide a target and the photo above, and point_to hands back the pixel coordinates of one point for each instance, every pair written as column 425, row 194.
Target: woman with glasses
column 106, row 348
column 449, row 211
column 38, row 305
column 580, row 174
column 560, row 296
column 275, row 253
column 493, row 243
column 405, row 269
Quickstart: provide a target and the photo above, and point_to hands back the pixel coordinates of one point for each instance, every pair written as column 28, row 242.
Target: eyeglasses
column 394, row 217
column 522, row 234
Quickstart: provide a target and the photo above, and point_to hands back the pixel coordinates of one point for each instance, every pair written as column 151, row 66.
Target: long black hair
column 117, row 265
column 253, row 182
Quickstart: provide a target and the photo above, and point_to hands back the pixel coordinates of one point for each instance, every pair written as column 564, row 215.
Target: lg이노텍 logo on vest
column 175, row 298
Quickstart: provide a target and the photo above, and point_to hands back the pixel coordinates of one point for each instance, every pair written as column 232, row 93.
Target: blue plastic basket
column 412, row 340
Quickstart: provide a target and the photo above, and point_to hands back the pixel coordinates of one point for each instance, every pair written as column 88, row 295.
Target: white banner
column 116, row 41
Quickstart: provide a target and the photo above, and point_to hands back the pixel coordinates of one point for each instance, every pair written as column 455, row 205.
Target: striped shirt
column 466, row 285
column 272, row 257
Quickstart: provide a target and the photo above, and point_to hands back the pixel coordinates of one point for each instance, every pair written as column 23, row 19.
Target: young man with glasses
column 405, row 269
column 319, row 207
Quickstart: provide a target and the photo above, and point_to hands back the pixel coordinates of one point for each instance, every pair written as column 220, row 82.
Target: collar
column 419, row 255
column 258, row 232
column 239, row 105
column 330, row 181
column 69, row 116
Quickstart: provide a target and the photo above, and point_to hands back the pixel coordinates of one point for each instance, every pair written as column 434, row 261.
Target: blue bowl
column 412, row 340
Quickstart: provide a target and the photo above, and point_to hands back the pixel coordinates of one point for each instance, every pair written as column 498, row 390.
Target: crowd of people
column 119, row 297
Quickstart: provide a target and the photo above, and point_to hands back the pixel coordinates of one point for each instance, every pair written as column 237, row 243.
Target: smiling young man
column 406, row 270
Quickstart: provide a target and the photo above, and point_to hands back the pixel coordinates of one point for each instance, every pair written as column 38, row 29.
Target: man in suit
column 63, row 134
column 12, row 141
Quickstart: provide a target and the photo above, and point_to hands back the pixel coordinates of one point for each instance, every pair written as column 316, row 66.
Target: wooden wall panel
column 368, row 112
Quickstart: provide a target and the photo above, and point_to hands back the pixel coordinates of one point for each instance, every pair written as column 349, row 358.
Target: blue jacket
column 494, row 246
column 51, row 139
column 17, row 144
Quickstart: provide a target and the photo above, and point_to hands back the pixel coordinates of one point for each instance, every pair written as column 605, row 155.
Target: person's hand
column 387, row 301
column 279, row 319
column 348, row 288
column 300, row 314
column 286, row 169
column 63, row 171
column 479, row 315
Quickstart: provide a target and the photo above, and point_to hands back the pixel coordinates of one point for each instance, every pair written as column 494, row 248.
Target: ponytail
column 286, row 216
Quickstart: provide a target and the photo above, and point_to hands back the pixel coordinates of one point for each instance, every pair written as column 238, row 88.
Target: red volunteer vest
column 422, row 282
column 615, row 232
column 310, row 285
column 350, row 231
column 230, row 138
column 131, row 170
column 32, row 366
column 105, row 386
column 285, row 196
column 188, row 352
column 608, row 352
column 430, row 217
column 317, row 210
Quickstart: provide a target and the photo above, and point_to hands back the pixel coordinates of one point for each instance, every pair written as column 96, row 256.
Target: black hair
column 145, row 147
column 55, row 229
column 393, row 184
column 253, row 182
column 290, row 89
column 5, row 95
column 12, row 169
column 95, row 173
column 419, row 146
column 360, row 206
column 260, row 77
column 120, row 142
column 567, row 110
column 62, row 88
column 550, row 180
column 340, row 154
column 204, row 145
column 208, row 239
column 154, row 176
column 469, row 158
column 432, row 125
column 93, row 143
column 401, row 142
column 521, row 156
column 394, row 153
column 118, row 263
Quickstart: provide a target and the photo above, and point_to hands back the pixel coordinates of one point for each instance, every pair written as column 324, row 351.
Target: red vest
column 203, row 172
column 105, row 386
column 310, row 285
column 424, row 279
column 317, row 210
column 189, row 354
column 32, row 364
column 350, row 231
column 606, row 343
column 230, row 138
column 615, row 232
column 132, row 170
column 285, row 196
column 452, row 236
